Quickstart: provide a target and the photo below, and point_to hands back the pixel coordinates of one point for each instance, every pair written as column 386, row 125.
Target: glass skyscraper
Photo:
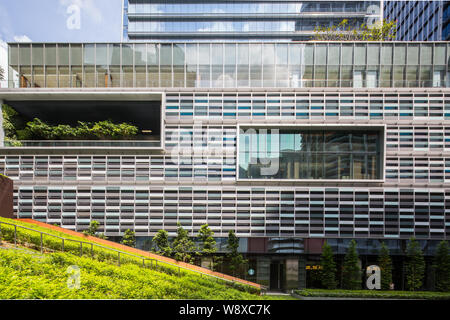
column 175, row 20
column 420, row 20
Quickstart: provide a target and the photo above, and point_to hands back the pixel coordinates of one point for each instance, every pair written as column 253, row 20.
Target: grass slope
column 32, row 240
column 26, row 274
column 103, row 259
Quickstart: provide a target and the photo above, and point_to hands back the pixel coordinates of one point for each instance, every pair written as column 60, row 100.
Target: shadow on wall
column 6, row 197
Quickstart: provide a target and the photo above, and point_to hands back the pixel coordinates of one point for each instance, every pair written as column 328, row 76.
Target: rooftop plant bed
column 102, row 130
column 17, row 129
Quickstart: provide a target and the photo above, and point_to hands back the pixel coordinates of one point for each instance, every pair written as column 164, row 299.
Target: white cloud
column 218, row 27
column 22, row 38
column 86, row 6
column 154, row 8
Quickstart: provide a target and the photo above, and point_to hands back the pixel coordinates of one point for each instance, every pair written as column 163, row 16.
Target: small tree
column 385, row 264
column 183, row 246
column 328, row 271
column 415, row 265
column 161, row 240
column 101, row 236
column 208, row 245
column 129, row 238
column 207, row 242
column 236, row 259
column 382, row 31
column 92, row 230
column 442, row 267
column 351, row 270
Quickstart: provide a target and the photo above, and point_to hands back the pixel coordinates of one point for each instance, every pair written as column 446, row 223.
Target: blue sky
column 57, row 20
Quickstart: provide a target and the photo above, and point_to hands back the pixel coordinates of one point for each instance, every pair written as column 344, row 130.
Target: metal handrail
column 115, row 250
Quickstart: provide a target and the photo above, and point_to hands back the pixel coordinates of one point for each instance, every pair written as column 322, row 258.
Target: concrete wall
column 4, row 63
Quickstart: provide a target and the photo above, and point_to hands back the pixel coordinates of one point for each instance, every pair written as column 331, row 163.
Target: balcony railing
column 84, row 144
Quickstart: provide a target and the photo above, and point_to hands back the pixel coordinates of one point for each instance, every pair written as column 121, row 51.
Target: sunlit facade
column 174, row 20
column 230, row 65
column 285, row 143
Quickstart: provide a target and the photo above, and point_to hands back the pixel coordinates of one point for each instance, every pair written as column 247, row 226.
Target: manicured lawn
column 374, row 294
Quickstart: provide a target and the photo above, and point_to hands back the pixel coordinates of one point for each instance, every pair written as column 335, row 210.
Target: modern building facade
column 175, row 20
column 4, row 64
column 419, row 20
column 286, row 143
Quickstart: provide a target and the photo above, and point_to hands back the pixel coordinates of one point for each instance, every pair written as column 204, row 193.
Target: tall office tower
column 420, row 20
column 175, row 20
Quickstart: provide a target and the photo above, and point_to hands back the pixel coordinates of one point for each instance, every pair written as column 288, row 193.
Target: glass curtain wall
column 224, row 65
column 235, row 27
column 309, row 154
column 147, row 19
column 216, row 7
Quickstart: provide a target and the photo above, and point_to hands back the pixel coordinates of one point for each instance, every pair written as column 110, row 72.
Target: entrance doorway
column 277, row 275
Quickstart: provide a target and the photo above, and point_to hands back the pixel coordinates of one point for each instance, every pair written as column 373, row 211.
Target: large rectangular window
column 340, row 154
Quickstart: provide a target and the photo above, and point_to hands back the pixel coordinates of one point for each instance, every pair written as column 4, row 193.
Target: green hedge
column 104, row 130
column 374, row 294
column 16, row 129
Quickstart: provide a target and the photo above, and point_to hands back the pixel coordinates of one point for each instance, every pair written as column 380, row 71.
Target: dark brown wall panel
column 6, row 197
